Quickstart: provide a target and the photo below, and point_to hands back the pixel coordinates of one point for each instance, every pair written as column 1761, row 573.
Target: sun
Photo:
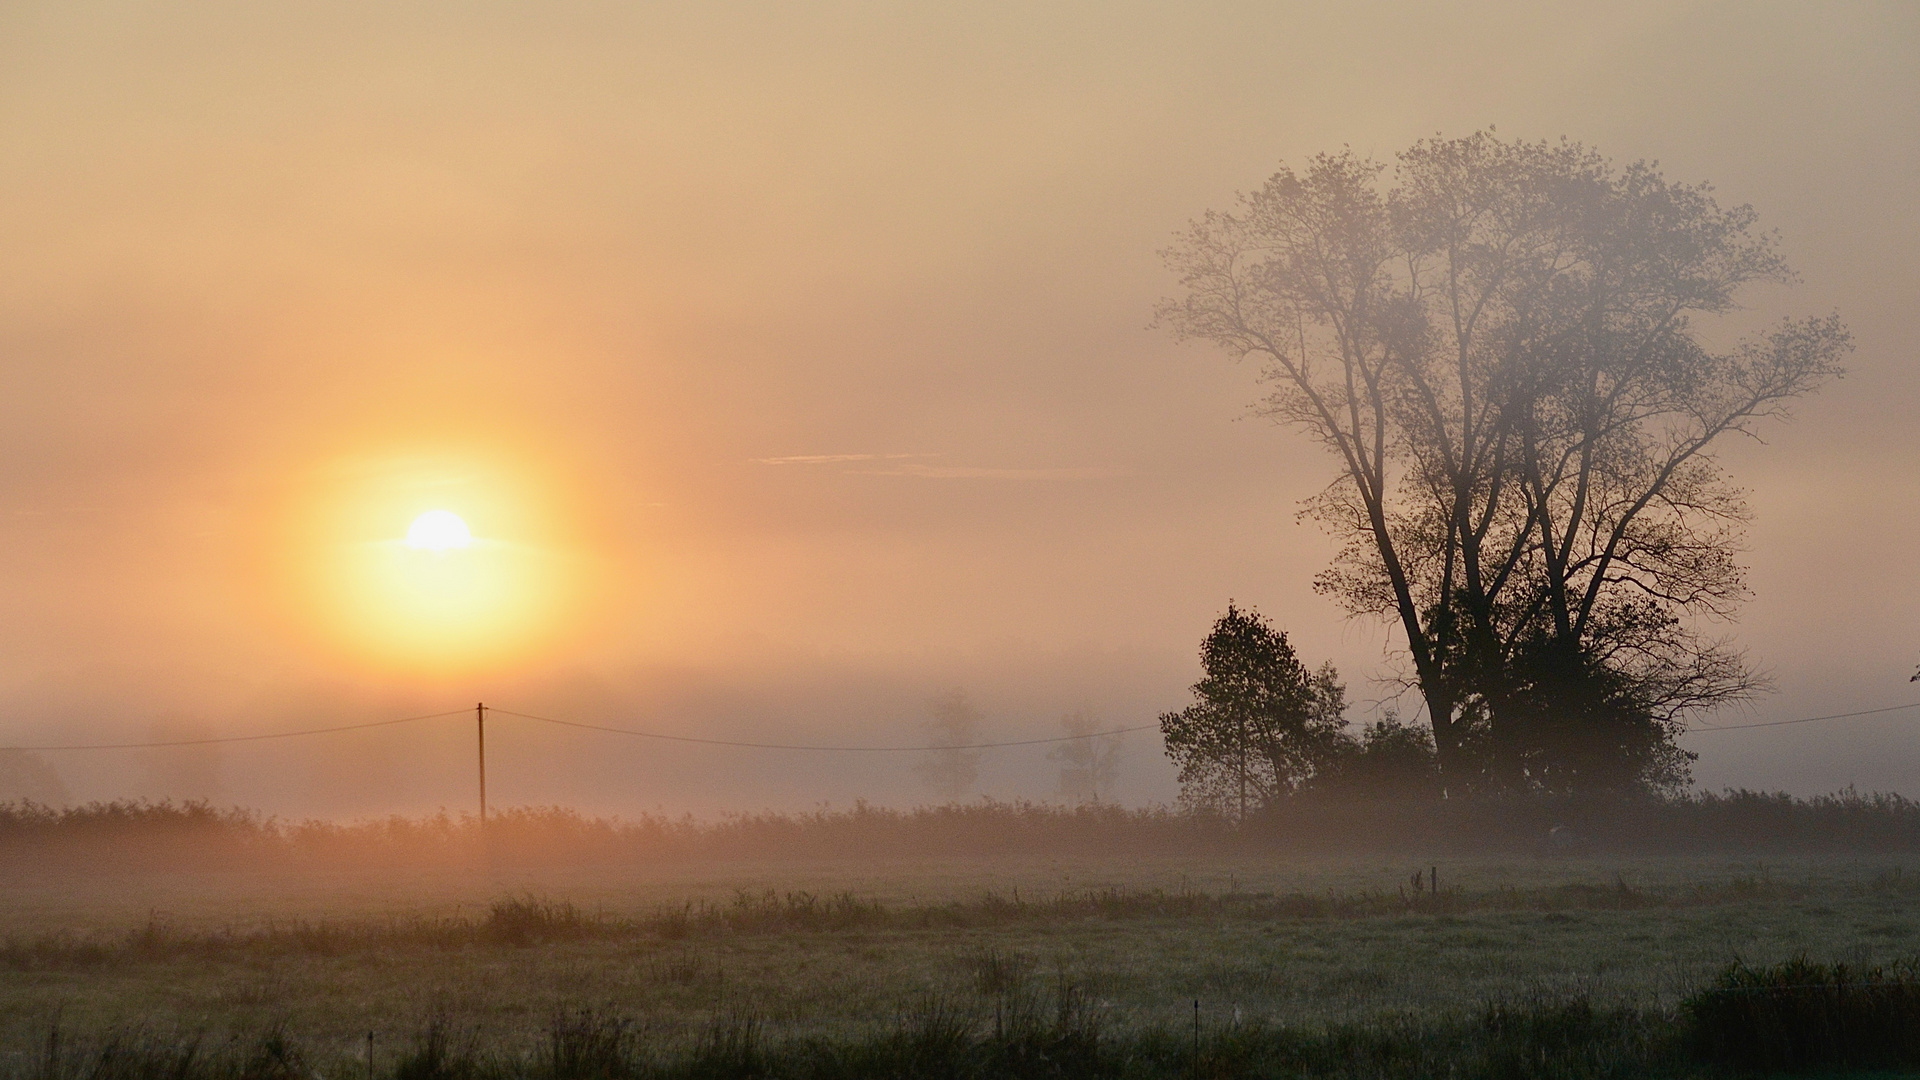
column 438, row 530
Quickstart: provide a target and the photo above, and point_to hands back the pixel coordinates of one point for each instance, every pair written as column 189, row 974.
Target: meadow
column 1172, row 956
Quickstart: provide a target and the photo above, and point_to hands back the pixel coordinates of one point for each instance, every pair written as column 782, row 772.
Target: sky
column 792, row 365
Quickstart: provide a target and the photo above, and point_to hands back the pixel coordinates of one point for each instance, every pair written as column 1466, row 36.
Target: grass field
column 847, row 950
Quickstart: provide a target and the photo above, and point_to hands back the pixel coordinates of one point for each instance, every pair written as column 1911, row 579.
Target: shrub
column 1800, row 1015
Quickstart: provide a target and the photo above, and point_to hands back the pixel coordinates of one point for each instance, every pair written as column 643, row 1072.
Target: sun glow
column 440, row 562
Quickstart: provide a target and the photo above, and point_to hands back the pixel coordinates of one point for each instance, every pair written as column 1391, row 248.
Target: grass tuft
column 997, row 972
column 529, row 920
column 439, row 1054
column 585, row 1044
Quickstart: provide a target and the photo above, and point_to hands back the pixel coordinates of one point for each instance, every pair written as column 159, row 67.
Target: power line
column 808, row 746
column 636, row 733
column 572, row 724
column 241, row 738
column 1806, row 719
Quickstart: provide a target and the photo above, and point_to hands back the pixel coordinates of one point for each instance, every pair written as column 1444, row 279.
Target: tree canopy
column 1499, row 342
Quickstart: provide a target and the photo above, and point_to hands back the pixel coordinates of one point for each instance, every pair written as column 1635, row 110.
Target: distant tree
column 1261, row 724
column 1089, row 761
column 1500, row 350
column 953, row 725
column 26, row 776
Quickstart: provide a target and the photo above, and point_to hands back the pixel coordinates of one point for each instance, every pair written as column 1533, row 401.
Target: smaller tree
column 1089, row 761
column 952, row 766
column 1261, row 724
column 1391, row 759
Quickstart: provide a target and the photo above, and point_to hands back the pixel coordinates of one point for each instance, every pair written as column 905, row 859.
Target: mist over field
column 798, row 361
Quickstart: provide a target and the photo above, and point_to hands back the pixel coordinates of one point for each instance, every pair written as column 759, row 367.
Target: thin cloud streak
column 940, row 472
column 967, row 472
column 829, row 459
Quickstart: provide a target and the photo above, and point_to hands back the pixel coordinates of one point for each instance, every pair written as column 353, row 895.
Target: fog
column 801, row 357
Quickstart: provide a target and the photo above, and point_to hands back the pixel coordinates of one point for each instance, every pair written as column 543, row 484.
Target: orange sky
column 799, row 353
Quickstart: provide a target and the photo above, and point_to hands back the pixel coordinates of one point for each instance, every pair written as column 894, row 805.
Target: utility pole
column 480, row 726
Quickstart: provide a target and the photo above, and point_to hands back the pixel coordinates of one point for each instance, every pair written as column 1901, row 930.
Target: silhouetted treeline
column 1730, row 821
column 194, row 835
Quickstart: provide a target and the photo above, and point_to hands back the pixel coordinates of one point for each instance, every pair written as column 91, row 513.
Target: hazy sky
column 794, row 362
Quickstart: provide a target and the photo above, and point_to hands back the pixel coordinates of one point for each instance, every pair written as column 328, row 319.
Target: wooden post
column 480, row 726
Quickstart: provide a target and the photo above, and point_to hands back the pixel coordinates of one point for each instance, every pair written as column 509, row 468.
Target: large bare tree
column 1498, row 341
